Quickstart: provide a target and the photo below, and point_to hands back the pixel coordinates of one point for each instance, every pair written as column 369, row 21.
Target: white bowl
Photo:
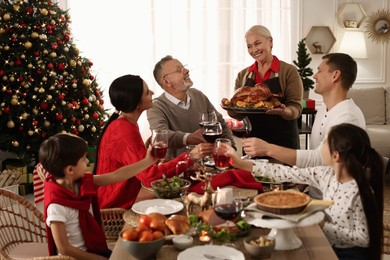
column 182, row 242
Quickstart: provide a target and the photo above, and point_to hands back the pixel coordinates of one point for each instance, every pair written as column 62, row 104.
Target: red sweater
column 122, row 145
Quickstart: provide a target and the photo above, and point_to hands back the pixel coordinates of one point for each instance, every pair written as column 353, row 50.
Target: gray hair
column 159, row 67
column 260, row 30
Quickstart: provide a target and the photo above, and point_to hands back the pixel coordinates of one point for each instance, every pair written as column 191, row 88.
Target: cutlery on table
column 215, row 257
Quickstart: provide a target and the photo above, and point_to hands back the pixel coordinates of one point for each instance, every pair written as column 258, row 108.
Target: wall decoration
column 378, row 26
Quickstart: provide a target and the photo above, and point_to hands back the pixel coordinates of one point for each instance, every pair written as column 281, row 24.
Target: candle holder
column 205, row 234
column 276, row 186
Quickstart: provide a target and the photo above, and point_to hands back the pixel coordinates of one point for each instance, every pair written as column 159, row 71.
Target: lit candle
column 204, row 236
column 276, row 187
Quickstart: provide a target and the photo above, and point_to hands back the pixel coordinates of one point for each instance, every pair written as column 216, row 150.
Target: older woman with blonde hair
column 277, row 125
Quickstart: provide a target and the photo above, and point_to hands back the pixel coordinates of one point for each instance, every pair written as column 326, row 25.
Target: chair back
column 20, row 222
column 386, row 238
column 112, row 222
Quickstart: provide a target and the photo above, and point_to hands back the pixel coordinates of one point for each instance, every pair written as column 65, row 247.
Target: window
column 129, row 37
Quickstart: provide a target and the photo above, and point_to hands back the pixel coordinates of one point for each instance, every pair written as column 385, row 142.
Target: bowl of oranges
column 145, row 240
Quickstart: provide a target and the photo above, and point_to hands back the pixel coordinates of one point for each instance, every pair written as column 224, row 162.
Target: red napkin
column 238, row 178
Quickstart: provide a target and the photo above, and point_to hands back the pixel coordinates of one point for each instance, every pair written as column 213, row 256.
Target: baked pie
column 282, row 202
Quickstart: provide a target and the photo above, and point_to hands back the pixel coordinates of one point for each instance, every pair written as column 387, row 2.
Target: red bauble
column 59, row 42
column 44, row 105
column 6, row 110
column 84, row 101
column 31, row 80
column 73, row 119
column 66, row 37
column 61, row 96
column 39, row 72
column 21, row 128
column 1, row 73
column 59, row 117
column 101, row 101
column 14, row 39
column 37, row 53
column 95, row 115
column 61, row 66
column 9, row 91
column 91, row 77
column 90, row 63
column 54, row 46
column 43, row 135
column 30, row 10
column 34, row 122
column 50, row 66
column 74, row 103
column 18, row 62
column 78, row 122
column 100, row 123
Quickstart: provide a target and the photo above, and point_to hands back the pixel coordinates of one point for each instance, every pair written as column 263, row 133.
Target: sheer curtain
column 129, row 37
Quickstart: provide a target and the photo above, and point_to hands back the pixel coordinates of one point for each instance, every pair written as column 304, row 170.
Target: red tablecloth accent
column 238, row 178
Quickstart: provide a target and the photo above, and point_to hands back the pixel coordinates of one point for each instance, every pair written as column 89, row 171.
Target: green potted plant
column 302, row 63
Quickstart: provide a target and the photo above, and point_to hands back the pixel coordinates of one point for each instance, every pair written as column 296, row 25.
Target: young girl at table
column 69, row 193
column 352, row 179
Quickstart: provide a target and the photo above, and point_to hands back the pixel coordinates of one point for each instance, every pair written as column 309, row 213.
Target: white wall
column 373, row 71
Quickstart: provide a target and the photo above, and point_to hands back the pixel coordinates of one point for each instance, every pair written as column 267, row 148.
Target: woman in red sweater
column 121, row 143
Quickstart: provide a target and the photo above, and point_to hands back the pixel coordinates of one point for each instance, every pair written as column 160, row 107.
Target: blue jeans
column 352, row 253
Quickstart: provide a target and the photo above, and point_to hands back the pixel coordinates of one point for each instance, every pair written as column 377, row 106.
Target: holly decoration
column 46, row 86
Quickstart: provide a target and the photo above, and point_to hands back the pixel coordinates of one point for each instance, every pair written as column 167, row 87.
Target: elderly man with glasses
column 179, row 107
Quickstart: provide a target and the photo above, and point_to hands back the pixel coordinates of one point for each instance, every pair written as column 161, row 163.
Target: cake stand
column 282, row 230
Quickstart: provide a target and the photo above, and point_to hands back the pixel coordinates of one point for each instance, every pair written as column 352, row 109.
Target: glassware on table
column 190, row 167
column 221, row 161
column 276, row 186
column 241, row 128
column 159, row 143
column 207, row 117
column 228, row 210
column 212, row 131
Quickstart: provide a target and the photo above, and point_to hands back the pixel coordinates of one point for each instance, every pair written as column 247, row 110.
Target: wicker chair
column 113, row 222
column 22, row 229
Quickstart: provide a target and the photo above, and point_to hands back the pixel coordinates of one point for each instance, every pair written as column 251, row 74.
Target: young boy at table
column 69, row 194
column 352, row 179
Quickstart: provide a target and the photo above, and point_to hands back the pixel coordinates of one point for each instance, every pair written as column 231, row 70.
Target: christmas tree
column 303, row 63
column 46, row 86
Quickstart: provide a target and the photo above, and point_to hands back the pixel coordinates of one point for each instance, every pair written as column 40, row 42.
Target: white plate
column 220, row 252
column 163, row 206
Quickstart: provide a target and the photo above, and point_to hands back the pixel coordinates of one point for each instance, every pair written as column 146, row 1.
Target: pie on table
column 282, row 202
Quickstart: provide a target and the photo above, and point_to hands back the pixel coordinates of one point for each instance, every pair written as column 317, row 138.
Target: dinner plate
column 218, row 252
column 162, row 206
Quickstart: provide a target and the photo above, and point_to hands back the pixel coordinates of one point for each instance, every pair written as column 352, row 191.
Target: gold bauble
column 35, row 111
column 2, row 30
column 30, row 132
column 14, row 101
column 93, row 129
column 30, row 66
column 24, row 116
column 16, row 7
column 86, row 82
column 86, row 116
column 41, row 90
column 6, row 17
column 28, row 45
column 12, row 78
column 53, row 54
column 46, row 123
column 10, row 124
column 6, row 48
column 80, row 128
column 34, row 35
column 15, row 143
column 23, row 102
column 72, row 63
column 44, row 11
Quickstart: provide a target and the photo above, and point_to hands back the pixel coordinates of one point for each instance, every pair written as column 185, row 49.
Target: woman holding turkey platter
column 271, row 89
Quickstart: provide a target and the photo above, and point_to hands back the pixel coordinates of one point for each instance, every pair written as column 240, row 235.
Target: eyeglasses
column 180, row 70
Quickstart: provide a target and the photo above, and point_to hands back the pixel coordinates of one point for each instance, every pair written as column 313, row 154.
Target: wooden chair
column 113, row 222
column 22, row 229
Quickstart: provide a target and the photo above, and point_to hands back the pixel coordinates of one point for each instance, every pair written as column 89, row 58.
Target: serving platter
column 246, row 110
column 162, row 206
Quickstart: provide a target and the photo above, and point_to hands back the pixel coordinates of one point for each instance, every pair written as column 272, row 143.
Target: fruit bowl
column 170, row 188
column 142, row 250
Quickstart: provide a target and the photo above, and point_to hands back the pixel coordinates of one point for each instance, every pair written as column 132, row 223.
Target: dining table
column 314, row 243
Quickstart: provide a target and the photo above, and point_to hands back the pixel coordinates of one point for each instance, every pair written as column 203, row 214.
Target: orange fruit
column 130, row 234
column 145, row 236
column 142, row 227
column 145, row 220
column 157, row 235
column 157, row 225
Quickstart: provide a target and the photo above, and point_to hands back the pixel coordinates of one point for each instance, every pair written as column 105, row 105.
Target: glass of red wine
column 241, row 128
column 207, row 117
column 212, row 131
column 221, row 161
column 159, row 143
column 227, row 210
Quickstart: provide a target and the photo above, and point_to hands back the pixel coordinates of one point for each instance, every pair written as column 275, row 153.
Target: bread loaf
column 178, row 224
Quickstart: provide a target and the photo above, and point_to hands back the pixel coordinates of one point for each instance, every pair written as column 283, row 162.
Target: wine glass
column 227, row 210
column 241, row 128
column 220, row 147
column 207, row 117
column 212, row 131
column 159, row 143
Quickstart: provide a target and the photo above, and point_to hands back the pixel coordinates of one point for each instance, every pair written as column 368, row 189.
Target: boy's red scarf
column 91, row 228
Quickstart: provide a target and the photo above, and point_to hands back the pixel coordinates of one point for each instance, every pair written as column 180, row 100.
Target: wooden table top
column 315, row 244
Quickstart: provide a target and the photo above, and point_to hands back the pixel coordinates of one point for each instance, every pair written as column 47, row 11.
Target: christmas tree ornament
column 15, row 143
column 80, row 128
column 27, row 45
column 34, row 35
column 24, row 116
column 14, row 101
column 10, row 124
column 93, row 129
column 46, row 123
column 6, row 17
column 86, row 116
column 44, row 12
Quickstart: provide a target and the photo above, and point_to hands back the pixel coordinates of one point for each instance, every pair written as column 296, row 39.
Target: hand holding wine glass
column 221, row 146
column 241, row 127
column 159, row 143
